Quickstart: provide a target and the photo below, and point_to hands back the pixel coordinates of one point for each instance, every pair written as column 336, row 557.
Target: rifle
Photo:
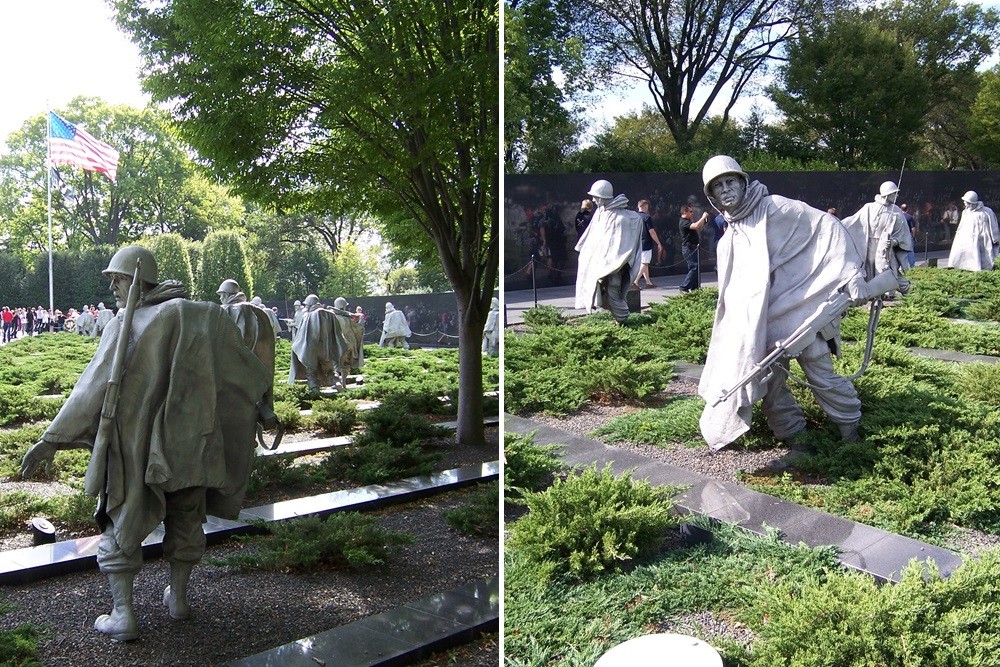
column 110, row 408
column 792, row 346
column 827, row 314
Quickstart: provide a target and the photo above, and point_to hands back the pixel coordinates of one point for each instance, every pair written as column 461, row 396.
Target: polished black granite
column 19, row 566
column 396, row 637
column 372, row 496
column 879, row 553
column 314, row 446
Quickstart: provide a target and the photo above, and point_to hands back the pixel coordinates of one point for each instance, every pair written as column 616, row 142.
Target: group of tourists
column 21, row 322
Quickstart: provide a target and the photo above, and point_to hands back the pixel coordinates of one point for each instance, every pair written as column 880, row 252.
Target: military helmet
column 297, row 303
column 719, row 166
column 311, row 300
column 389, row 307
column 340, row 302
column 124, row 262
column 888, row 188
column 229, row 286
column 970, row 197
column 602, row 190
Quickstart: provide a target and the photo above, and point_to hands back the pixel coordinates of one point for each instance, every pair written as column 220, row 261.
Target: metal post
column 534, row 288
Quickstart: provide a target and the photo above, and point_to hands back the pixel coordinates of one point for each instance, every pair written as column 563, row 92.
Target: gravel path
column 236, row 614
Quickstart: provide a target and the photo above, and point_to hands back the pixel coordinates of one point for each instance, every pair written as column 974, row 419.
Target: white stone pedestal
column 661, row 650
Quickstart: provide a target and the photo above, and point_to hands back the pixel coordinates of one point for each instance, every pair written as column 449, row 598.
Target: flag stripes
column 69, row 144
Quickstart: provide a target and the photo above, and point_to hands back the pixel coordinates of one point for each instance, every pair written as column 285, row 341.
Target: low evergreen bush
column 336, row 416
column 558, row 369
column 592, row 522
column 374, row 461
column 850, row 620
column 342, row 540
column 395, row 422
column 289, row 414
column 480, row 515
column 281, row 473
column 20, row 645
column 677, row 421
column 543, row 316
column 527, row 466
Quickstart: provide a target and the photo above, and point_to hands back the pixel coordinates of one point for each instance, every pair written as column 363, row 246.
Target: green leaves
column 591, row 522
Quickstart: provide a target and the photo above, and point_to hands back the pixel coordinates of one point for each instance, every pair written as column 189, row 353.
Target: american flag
column 70, row 145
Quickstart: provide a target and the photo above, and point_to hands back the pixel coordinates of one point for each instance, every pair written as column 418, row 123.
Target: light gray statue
column 182, row 390
column 491, row 332
column 317, row 348
column 254, row 325
column 395, row 328
column 353, row 335
column 977, row 239
column 881, row 235
column 297, row 315
column 781, row 265
column 85, row 322
column 271, row 316
column 101, row 320
column 610, row 253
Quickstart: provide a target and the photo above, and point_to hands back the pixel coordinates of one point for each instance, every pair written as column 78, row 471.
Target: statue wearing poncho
column 779, row 262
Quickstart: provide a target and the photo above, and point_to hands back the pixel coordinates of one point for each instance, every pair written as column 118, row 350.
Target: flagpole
column 48, row 189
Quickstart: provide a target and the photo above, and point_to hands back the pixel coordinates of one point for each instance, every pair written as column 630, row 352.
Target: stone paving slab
column 877, row 552
column 20, row 566
column 396, row 637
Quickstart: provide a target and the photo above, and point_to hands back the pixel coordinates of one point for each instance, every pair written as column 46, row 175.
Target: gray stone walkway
column 876, row 552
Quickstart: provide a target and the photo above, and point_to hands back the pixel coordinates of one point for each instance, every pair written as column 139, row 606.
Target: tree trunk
column 470, row 430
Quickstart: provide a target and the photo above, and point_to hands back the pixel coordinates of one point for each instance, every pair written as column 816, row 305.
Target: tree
column 984, row 120
column 403, row 280
column 354, row 272
column 172, row 259
column 854, row 92
column 157, row 190
column 223, row 257
column 950, row 41
column 539, row 126
column 694, row 53
column 314, row 105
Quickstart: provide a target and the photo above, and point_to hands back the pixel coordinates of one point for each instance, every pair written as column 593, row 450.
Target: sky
column 55, row 50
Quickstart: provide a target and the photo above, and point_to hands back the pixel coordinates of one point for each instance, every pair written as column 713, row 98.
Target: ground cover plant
column 479, row 515
column 760, row 602
column 527, row 465
column 340, row 540
column 591, row 522
column 420, row 372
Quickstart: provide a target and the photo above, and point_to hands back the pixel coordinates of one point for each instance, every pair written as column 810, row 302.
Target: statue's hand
column 41, row 452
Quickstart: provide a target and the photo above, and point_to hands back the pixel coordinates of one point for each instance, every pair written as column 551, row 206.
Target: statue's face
column 119, row 286
column 727, row 190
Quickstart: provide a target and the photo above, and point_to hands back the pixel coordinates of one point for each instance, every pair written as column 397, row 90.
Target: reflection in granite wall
column 553, row 200
column 433, row 318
